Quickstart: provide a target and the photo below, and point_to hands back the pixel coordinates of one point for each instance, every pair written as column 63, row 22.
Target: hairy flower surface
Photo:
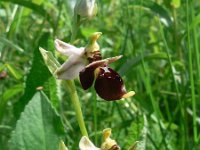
column 87, row 63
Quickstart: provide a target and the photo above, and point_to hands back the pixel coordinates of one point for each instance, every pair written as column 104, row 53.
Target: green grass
column 161, row 63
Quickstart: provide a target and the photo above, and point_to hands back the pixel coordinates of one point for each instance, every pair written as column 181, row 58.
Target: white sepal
column 74, row 64
column 86, row 144
column 67, row 49
column 71, row 68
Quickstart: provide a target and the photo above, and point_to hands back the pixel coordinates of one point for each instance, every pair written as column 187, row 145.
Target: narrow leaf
column 137, row 60
column 34, row 6
column 9, row 93
column 155, row 9
column 11, row 44
column 16, row 73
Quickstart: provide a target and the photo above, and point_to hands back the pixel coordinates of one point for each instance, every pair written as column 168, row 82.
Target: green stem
column 190, row 57
column 77, row 106
column 71, row 85
column 183, row 130
column 95, row 116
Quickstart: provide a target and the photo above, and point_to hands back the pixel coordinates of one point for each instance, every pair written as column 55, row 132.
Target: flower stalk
column 71, row 85
column 76, row 104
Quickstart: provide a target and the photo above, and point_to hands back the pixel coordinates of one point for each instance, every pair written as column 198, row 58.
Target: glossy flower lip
column 109, row 85
column 87, row 75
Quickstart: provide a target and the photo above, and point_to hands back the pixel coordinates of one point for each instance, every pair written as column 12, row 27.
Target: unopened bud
column 86, row 8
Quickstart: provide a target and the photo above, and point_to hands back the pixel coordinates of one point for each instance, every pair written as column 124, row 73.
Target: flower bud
column 86, row 8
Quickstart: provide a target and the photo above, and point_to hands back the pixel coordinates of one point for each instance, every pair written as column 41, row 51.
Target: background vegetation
column 159, row 41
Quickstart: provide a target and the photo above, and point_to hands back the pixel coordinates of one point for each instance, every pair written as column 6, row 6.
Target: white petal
column 86, row 144
column 71, row 68
column 67, row 49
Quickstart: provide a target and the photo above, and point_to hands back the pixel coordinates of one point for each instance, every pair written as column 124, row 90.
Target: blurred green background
column 159, row 41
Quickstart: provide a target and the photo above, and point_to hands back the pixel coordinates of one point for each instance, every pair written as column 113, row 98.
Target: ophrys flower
column 87, row 62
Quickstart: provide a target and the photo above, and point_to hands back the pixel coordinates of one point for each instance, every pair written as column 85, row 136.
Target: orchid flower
column 108, row 143
column 87, row 63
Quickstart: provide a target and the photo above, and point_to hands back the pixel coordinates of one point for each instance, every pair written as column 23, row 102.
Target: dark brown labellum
column 109, row 85
column 87, row 74
column 87, row 77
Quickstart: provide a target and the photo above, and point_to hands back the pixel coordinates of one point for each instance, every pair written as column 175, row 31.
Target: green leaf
column 7, row 95
column 137, row 60
column 10, row 44
column 34, row 6
column 154, row 8
column 14, row 90
column 39, row 127
column 137, row 134
column 15, row 72
column 39, row 76
column 195, row 22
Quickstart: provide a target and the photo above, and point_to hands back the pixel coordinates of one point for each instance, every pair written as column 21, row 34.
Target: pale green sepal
column 62, row 146
column 92, row 44
column 50, row 60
